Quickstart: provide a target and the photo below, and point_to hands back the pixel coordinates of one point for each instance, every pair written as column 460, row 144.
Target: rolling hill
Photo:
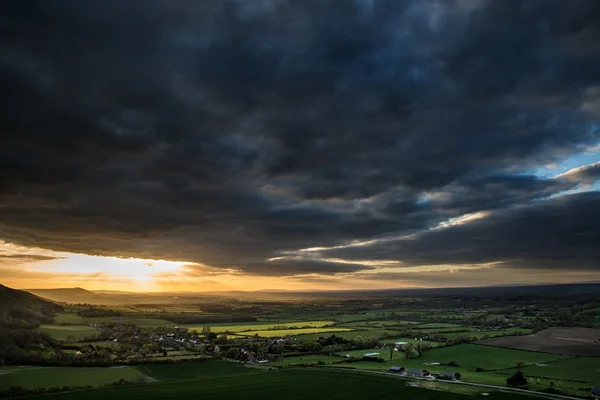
column 66, row 295
column 22, row 309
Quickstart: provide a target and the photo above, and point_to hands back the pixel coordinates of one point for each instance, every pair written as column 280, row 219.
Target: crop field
column 479, row 334
column 131, row 320
column 68, row 319
column 62, row 332
column 308, row 359
column 288, row 384
column 573, row 341
column 468, row 356
column 411, row 340
column 39, row 377
column 379, row 324
column 580, row 369
column 193, row 371
column 294, row 332
column 349, row 333
column 246, row 327
column 436, row 325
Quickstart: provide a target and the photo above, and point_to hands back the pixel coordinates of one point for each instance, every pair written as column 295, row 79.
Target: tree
column 457, row 376
column 520, row 364
column 411, row 350
column 518, row 379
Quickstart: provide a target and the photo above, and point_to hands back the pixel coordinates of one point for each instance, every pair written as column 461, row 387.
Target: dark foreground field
column 286, row 384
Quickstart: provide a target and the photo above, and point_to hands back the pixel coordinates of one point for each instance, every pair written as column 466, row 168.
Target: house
column 414, row 372
column 447, row 375
column 397, row 369
column 596, row 391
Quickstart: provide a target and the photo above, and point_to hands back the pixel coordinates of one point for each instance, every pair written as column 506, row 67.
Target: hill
column 65, row 295
column 20, row 309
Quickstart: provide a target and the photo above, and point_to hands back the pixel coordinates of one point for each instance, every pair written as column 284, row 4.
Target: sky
column 310, row 144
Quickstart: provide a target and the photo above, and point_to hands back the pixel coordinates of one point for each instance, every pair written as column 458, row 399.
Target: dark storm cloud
column 23, row 258
column 559, row 233
column 227, row 132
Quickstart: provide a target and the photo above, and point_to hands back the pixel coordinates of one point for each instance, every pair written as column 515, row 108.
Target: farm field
column 294, row 332
column 245, row 327
column 479, row 334
column 411, row 340
column 351, row 334
column 68, row 319
column 196, row 370
column 39, row 377
column 468, row 356
column 580, row 369
column 287, row 384
column 308, row 359
column 131, row 320
column 62, row 332
column 573, row 341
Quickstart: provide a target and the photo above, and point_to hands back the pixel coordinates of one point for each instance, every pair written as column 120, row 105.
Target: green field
column 131, row 320
column 39, row 377
column 350, row 334
column 294, row 332
column 257, row 326
column 68, row 319
column 468, row 356
column 582, row 369
column 286, row 384
column 62, row 332
column 309, row 359
column 411, row 340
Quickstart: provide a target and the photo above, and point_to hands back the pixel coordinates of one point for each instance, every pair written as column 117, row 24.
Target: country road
column 502, row 388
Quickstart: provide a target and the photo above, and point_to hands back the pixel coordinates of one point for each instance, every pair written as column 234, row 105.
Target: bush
column 518, row 379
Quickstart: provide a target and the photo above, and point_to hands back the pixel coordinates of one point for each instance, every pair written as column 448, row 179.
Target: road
column 502, row 388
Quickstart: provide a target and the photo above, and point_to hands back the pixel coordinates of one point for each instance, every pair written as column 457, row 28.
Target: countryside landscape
column 300, row 199
column 446, row 344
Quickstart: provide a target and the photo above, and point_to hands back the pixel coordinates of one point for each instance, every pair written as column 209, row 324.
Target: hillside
column 65, row 295
column 21, row 309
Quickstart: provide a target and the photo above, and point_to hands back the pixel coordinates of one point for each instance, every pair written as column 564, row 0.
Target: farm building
column 397, row 369
column 414, row 372
column 596, row 391
column 447, row 375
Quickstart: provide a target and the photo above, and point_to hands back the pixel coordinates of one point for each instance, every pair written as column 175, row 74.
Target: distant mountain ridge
column 79, row 295
column 65, row 295
column 19, row 308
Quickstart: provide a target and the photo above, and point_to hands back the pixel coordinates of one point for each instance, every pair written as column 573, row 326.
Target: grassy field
column 131, row 320
column 286, row 384
column 582, row 369
column 350, row 334
column 68, row 319
column 411, row 340
column 294, row 332
column 62, row 332
column 245, row 327
column 201, row 370
column 468, row 356
column 38, row 377
column 310, row 359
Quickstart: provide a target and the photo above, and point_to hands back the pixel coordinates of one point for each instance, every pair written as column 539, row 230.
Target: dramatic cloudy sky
column 250, row 144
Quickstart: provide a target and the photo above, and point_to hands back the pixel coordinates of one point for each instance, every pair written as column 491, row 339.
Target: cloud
column 560, row 233
column 587, row 174
column 24, row 258
column 227, row 133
